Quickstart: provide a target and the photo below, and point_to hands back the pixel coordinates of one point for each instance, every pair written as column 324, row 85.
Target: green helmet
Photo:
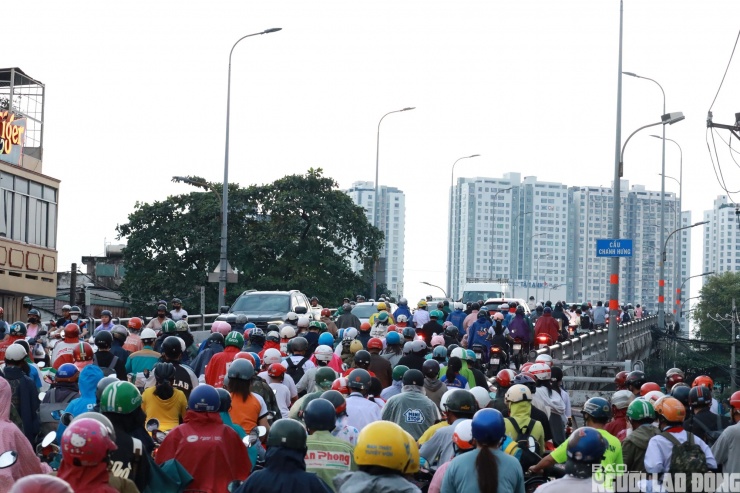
column 323, row 327
column 234, row 338
column 325, row 376
column 398, row 372
column 169, row 326
column 314, row 324
column 288, row 433
column 640, row 409
column 120, row 398
column 438, row 314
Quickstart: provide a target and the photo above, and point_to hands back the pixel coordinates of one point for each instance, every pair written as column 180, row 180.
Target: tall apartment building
column 392, row 222
column 544, row 240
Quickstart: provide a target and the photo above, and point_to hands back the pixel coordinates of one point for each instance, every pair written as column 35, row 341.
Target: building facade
column 391, row 220
column 28, row 198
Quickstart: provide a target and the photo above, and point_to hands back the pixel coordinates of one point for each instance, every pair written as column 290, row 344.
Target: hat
column 548, row 309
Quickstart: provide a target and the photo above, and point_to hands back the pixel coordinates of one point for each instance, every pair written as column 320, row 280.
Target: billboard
column 12, row 138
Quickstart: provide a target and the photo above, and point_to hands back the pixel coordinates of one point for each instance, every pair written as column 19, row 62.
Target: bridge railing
column 196, row 322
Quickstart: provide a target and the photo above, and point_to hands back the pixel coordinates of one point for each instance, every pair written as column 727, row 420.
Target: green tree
column 716, row 298
column 299, row 232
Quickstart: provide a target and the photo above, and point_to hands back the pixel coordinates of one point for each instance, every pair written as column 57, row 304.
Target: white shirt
column 714, row 408
column 297, row 359
column 566, row 401
column 361, row 412
column 727, row 449
column 282, row 396
column 179, row 314
column 420, row 318
column 548, row 403
column 287, row 381
column 658, row 453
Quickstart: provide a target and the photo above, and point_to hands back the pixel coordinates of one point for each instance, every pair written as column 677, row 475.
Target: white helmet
column 350, row 333
column 148, row 334
column 407, row 347
column 621, row 399
column 544, row 358
column 271, row 356
column 459, row 306
column 287, row 332
column 292, row 316
column 402, row 318
column 674, row 371
column 653, row 396
column 15, row 352
column 303, row 321
column 541, row 371
column 482, row 396
column 323, row 353
column 458, row 352
column 518, row 393
column 403, row 301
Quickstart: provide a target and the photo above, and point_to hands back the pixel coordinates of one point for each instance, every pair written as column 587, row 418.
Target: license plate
column 517, row 347
column 477, row 355
column 494, row 361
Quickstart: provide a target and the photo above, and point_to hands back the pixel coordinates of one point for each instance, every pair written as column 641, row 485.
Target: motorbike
column 532, row 481
column 481, row 357
column 152, row 426
column 498, row 360
column 47, row 450
column 253, row 442
column 516, row 353
column 543, row 341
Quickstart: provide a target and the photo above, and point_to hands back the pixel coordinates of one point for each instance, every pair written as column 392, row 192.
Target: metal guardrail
column 196, row 322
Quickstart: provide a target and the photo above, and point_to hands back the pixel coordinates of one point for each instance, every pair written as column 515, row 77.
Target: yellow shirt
column 431, row 430
column 612, row 456
column 168, row 412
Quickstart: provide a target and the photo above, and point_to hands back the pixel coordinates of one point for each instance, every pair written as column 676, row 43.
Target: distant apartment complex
column 721, row 240
column 391, row 220
column 541, row 238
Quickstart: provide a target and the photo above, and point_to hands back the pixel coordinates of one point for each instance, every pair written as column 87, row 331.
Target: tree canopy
column 716, row 298
column 299, row 232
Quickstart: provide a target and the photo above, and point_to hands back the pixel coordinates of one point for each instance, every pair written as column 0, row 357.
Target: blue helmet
column 249, row 325
column 597, row 408
column 439, row 353
column 204, row 399
column 320, row 414
column 67, row 371
column 586, row 445
column 326, row 339
column 488, row 427
column 470, row 355
column 393, row 338
column 257, row 363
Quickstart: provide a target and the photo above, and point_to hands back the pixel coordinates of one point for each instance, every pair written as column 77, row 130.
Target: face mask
column 74, row 317
column 160, row 315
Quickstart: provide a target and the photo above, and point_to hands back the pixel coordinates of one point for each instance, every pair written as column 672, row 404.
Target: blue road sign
column 614, row 248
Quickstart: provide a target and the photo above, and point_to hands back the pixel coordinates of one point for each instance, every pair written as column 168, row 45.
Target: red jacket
column 270, row 345
column 218, row 366
column 210, row 451
column 5, row 344
column 546, row 324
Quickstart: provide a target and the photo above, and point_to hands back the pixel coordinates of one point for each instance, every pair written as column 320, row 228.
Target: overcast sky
column 136, row 93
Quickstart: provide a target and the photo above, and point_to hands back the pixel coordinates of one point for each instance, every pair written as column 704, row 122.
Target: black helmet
column 414, row 377
column 161, row 308
column 287, row 433
column 635, row 379
column 362, row 358
column 451, row 331
column 475, row 306
column 256, row 335
column 320, row 415
column 408, row 333
column 225, row 398
column 461, row 402
column 103, row 339
column 18, row 329
column 681, row 392
column 216, row 337
column 700, row 396
column 430, row 368
column 171, row 347
column 164, row 372
column 176, row 301
column 337, row 400
column 358, row 379
column 34, row 312
column 106, row 313
column 482, row 313
column 520, row 310
column 102, row 384
column 299, row 344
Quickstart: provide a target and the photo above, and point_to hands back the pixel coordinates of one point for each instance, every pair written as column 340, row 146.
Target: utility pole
column 733, row 367
column 73, row 285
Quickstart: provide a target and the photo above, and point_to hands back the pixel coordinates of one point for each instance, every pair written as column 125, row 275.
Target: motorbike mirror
column 152, row 424
column 160, row 436
column 41, row 364
column 261, row 431
column 8, row 458
column 41, row 333
column 41, row 396
column 233, row 486
column 224, row 309
column 66, row 419
column 300, row 310
column 49, row 439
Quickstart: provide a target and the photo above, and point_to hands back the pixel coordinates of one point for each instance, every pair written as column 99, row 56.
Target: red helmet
column 525, row 367
column 71, row 331
column 672, row 380
column 505, row 377
column 86, row 442
column 365, row 327
column 244, row 355
column 620, row 380
column 82, row 352
column 648, row 387
column 735, row 400
column 326, row 312
column 340, row 385
column 703, row 380
column 135, row 323
column 394, row 328
column 276, row 370
column 375, row 343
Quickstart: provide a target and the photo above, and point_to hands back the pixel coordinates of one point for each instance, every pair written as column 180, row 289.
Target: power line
column 726, row 69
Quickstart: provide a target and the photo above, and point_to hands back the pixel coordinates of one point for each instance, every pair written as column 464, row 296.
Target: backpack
column 264, row 390
column 296, row 371
column 48, row 423
column 107, row 370
column 686, row 457
column 585, row 322
column 710, row 436
column 530, row 447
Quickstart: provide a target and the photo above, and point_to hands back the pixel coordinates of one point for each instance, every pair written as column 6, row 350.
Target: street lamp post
column 676, row 242
column 661, row 275
column 666, row 119
column 225, row 194
column 665, row 245
column 449, row 230
column 375, row 196
column 435, row 286
column 680, row 202
column 493, row 224
column 531, row 238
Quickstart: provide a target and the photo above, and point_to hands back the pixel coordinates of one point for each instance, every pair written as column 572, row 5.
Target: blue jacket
column 88, row 383
column 27, row 399
column 285, row 470
column 117, row 350
column 457, row 318
column 199, row 363
column 478, row 333
column 402, row 310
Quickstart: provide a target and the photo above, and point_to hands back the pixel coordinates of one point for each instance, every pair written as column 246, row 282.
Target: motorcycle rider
column 156, row 322
column 641, row 416
column 323, row 379
column 519, row 401
column 63, row 390
column 217, row 366
column 461, row 404
column 256, row 341
column 433, row 326
column 434, row 388
column 701, row 421
column 88, row 384
column 620, row 402
column 33, row 326
column 416, row 358
column 24, row 393
column 421, row 315
column 547, row 325
column 586, row 448
column 163, row 401
column 725, row 449
column 480, row 330
column 392, row 351
column 521, row 328
column 185, row 378
column 411, row 409
column 86, row 447
column 133, row 341
column 379, row 366
column 209, row 450
column 457, row 316
column 178, row 312
column 709, row 383
column 360, row 411
column 120, row 334
column 545, row 399
column 347, row 319
column 326, row 455
column 397, row 382
column 105, row 359
column 16, row 332
column 402, row 309
column 451, row 335
column 106, row 323
column 213, row 345
column 635, row 381
column 141, row 363
column 248, row 409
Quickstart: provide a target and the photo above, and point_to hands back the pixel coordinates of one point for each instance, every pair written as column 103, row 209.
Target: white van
column 474, row 291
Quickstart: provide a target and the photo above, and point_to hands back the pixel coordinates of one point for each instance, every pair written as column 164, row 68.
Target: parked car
column 494, row 303
column 364, row 311
column 268, row 307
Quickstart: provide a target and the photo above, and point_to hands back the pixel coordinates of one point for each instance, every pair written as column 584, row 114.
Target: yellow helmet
column 385, row 444
column 381, row 306
column 414, row 464
column 355, row 346
column 421, row 303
